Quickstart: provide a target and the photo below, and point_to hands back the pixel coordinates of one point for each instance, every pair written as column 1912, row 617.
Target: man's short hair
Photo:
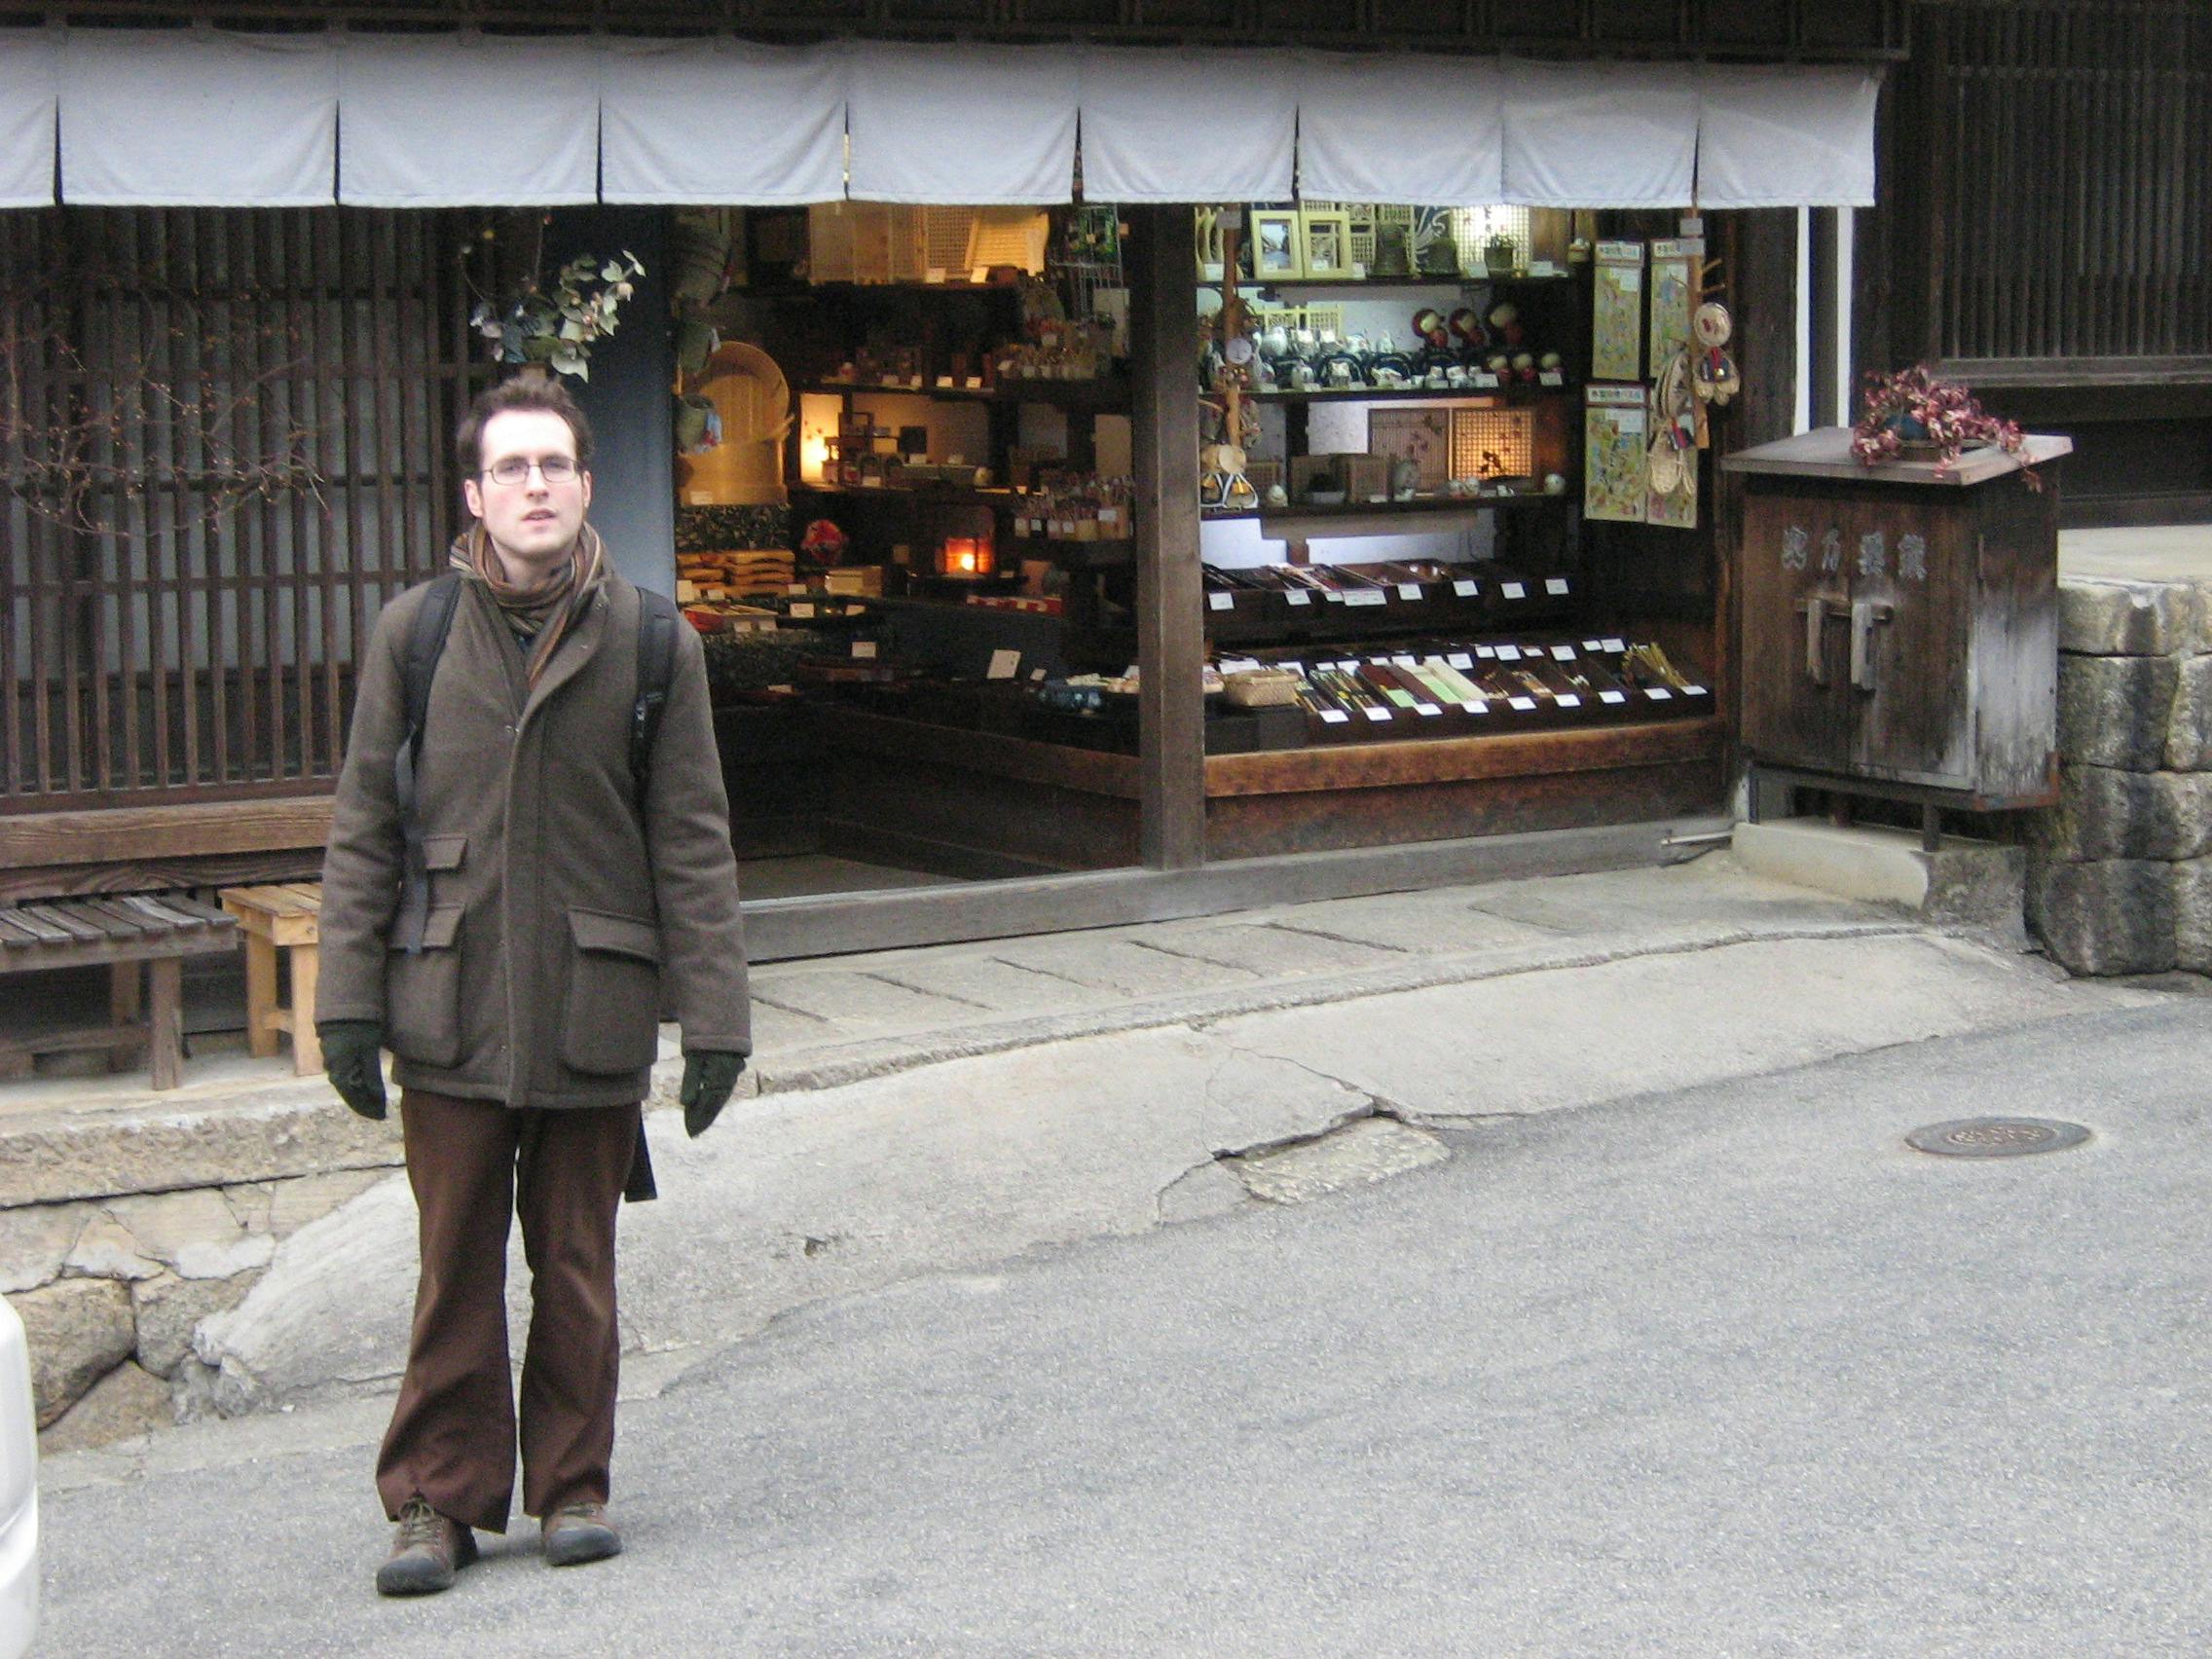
column 519, row 391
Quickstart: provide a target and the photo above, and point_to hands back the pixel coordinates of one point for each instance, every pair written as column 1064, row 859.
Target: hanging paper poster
column 1613, row 438
column 1674, row 296
column 1616, row 331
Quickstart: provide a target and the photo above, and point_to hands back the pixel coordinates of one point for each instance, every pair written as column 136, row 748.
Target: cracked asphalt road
column 1716, row 1370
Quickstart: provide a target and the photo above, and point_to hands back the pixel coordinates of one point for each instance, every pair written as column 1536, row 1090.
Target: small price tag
column 1367, row 596
column 1513, row 590
column 975, row 382
column 1615, row 645
column 1221, row 601
column 1462, row 589
column 1486, row 650
column 1593, row 645
column 893, row 380
column 1612, row 696
column 944, row 382
column 1563, row 653
column 1460, row 659
column 1004, row 665
column 872, row 483
column 1567, row 700
column 1556, row 586
column 934, row 274
column 1482, row 378
column 1405, row 662
column 981, row 273
column 1426, row 708
column 1378, row 714
column 863, row 650
column 1036, row 676
column 1693, row 691
column 1475, row 706
column 1659, row 694
column 1509, row 653
column 1297, row 596
column 1550, row 377
column 802, row 610
column 1335, row 595
column 1334, row 717
column 1410, row 592
column 1524, row 704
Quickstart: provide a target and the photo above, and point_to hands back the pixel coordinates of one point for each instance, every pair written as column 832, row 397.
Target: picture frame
column 1278, row 246
column 1325, row 242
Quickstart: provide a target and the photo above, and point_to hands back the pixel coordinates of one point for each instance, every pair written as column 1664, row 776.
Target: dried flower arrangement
column 1911, row 415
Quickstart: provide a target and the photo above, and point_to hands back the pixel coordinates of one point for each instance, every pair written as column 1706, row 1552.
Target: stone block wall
column 2120, row 873
column 121, row 1230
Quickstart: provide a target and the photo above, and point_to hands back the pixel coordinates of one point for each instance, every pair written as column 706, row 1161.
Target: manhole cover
column 1996, row 1137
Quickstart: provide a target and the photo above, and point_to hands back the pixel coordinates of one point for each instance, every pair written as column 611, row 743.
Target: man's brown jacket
column 562, row 917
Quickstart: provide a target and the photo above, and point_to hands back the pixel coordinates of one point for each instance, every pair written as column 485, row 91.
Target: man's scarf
column 543, row 616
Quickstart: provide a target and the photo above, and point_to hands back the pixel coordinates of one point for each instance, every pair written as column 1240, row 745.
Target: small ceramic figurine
column 1505, row 322
column 1525, row 366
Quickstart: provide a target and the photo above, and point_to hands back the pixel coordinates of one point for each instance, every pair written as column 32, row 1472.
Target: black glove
column 352, row 1054
column 709, row 1077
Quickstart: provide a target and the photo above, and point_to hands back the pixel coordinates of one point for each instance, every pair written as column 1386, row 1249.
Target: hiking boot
column 426, row 1552
column 580, row 1532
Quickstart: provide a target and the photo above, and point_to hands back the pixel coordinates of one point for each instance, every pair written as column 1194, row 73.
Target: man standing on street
column 529, row 857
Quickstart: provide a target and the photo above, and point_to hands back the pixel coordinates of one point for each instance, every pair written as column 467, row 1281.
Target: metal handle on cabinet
column 1867, row 616
column 1816, row 611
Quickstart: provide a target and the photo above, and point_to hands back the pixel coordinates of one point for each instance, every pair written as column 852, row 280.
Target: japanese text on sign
column 1795, row 544
column 1831, row 551
column 1873, row 556
column 1912, row 558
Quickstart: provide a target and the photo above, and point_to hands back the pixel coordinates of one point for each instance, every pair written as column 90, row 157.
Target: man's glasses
column 514, row 469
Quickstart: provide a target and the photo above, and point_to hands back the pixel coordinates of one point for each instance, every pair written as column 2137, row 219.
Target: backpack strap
column 657, row 622
column 425, row 644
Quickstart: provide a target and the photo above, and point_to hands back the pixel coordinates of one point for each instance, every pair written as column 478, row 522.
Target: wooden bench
column 123, row 934
column 279, row 917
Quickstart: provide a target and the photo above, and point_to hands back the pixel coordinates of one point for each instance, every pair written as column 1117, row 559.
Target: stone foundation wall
column 2119, row 874
column 111, row 1274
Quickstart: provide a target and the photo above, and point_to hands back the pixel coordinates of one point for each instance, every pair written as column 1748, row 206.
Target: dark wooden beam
column 1164, row 314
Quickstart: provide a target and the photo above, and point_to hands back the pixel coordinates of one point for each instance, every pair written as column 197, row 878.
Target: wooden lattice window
column 224, row 440
column 2072, row 204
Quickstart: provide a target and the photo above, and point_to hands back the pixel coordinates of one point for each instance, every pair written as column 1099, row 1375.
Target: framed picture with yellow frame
column 1324, row 242
column 1278, row 249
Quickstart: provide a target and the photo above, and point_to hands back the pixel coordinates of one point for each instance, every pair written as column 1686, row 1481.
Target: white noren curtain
column 1164, row 124
column 198, row 117
column 1415, row 132
column 467, row 121
column 990, row 125
column 1600, row 134
column 1795, row 138
column 725, row 121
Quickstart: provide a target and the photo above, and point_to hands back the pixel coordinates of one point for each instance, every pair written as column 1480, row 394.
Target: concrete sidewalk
column 943, row 1109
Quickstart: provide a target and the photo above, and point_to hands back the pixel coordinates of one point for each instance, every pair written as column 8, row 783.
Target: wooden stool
column 279, row 917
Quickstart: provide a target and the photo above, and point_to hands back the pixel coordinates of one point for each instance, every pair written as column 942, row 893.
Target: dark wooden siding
column 2076, row 229
column 224, row 444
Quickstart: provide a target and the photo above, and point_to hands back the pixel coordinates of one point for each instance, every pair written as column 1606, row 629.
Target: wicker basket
column 1261, row 689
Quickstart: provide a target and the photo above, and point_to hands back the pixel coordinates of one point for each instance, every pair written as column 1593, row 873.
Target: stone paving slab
column 859, row 1002
column 1120, row 965
column 972, row 976
column 1274, row 953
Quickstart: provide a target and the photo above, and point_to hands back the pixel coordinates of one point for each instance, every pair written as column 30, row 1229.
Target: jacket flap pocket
column 624, row 936
column 443, row 852
column 441, row 925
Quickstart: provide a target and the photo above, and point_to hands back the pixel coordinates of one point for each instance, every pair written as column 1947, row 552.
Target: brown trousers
column 453, row 1436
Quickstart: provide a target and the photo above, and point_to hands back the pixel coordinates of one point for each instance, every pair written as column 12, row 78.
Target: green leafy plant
column 557, row 322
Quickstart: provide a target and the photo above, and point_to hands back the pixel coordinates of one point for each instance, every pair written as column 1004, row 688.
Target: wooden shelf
column 1112, row 392
column 1460, row 279
column 1451, row 760
column 1371, row 509
column 1413, row 393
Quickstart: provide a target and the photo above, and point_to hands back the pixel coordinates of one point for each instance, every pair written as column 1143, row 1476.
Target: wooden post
column 123, row 1007
column 165, row 1037
column 260, row 994
column 1164, row 315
